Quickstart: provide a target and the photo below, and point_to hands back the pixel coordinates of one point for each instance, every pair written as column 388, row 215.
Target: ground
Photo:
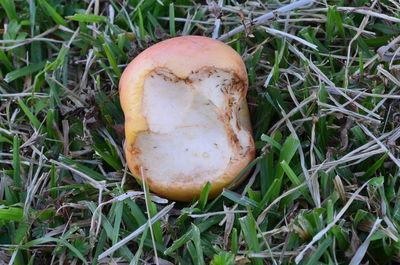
column 324, row 101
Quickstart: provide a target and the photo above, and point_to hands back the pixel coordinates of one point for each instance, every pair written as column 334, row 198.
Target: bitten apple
column 186, row 116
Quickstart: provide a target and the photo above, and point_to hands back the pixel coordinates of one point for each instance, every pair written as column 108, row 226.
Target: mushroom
column 186, row 117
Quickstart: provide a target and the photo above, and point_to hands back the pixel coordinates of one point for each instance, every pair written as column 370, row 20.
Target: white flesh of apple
column 188, row 139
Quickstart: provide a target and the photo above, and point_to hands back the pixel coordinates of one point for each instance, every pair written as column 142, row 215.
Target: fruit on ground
column 186, row 116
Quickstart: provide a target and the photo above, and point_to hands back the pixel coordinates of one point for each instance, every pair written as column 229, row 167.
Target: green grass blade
column 16, row 163
column 204, row 195
column 84, row 169
column 63, row 242
column 320, row 251
column 241, row 200
column 234, row 241
column 139, row 251
column 142, row 31
column 32, row 118
column 11, row 214
column 371, row 171
column 24, row 71
column 87, row 18
column 9, row 7
column 111, row 59
column 186, row 237
column 248, row 225
column 172, row 20
column 6, row 61
column 197, row 243
column 32, row 16
column 271, row 141
column 53, row 13
column 117, row 221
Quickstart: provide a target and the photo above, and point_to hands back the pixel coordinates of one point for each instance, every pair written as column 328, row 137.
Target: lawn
column 324, row 101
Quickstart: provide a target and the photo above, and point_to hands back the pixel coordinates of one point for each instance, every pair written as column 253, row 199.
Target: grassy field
column 324, row 97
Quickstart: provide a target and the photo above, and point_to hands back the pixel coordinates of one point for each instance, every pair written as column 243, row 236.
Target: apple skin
column 182, row 56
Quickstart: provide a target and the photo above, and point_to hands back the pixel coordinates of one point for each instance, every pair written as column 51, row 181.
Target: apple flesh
column 186, row 127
